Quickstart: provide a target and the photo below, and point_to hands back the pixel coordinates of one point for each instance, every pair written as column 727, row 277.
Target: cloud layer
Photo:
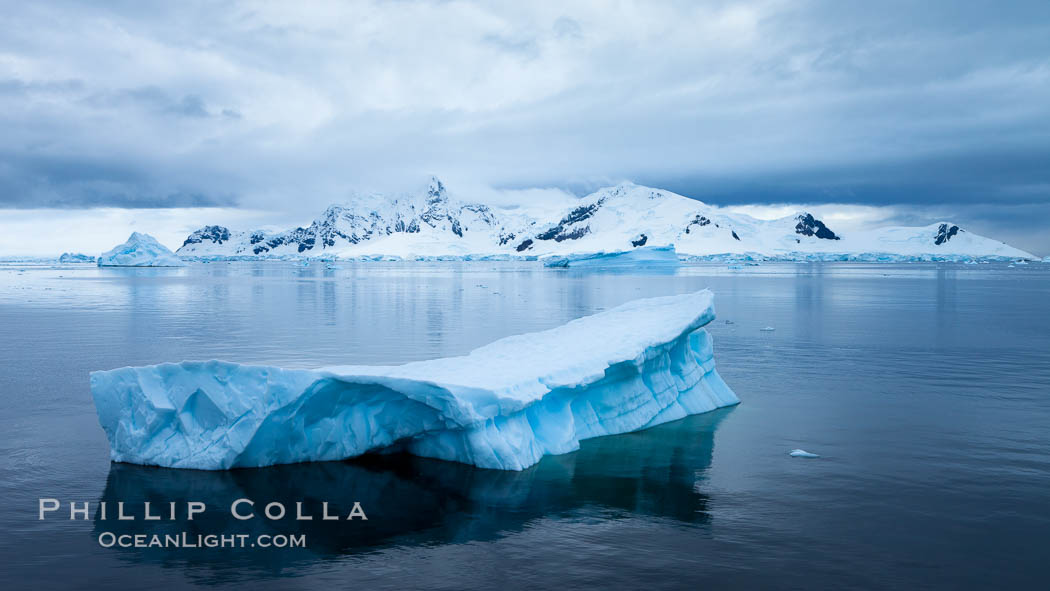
column 287, row 107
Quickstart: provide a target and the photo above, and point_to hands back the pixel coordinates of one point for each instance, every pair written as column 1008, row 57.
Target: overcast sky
column 266, row 112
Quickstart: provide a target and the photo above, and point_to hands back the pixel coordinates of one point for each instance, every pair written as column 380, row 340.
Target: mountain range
column 433, row 223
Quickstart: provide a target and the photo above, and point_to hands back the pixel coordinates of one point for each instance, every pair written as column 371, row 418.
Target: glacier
column 504, row 405
column 140, row 250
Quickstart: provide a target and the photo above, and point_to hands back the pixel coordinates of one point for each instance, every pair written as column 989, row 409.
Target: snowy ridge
column 434, row 224
column 504, row 405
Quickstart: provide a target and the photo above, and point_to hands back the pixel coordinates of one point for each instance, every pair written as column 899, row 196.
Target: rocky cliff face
column 809, row 226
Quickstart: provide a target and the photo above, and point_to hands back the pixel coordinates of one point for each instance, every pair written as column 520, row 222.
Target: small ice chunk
column 767, row 329
column 801, row 453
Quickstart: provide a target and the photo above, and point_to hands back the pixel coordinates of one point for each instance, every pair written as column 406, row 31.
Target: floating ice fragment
column 767, row 329
column 643, row 256
column 141, row 250
column 75, row 257
column 504, row 405
column 801, row 453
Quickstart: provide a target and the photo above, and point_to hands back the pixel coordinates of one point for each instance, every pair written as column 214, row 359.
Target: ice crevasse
column 504, row 405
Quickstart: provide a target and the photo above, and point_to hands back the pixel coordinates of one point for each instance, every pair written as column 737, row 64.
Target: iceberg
column 641, row 256
column 75, row 257
column 141, row 250
column 801, row 453
column 504, row 405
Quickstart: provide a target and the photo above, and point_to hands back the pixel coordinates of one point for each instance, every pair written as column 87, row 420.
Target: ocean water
column 925, row 388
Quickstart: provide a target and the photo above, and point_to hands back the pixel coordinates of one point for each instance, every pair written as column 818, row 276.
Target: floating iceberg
column 141, row 250
column 75, row 257
column 504, row 405
column 641, row 256
column 801, row 453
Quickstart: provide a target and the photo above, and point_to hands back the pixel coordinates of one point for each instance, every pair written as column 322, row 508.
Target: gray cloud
column 153, row 100
column 80, row 181
column 936, row 105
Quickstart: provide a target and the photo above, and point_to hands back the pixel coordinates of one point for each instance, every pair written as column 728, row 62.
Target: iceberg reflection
column 410, row 501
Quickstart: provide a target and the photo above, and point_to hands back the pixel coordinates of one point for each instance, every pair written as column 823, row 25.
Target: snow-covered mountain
column 435, row 224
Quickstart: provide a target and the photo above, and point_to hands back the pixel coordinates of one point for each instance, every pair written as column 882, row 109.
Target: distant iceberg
column 504, row 405
column 141, row 250
column 641, row 256
column 75, row 257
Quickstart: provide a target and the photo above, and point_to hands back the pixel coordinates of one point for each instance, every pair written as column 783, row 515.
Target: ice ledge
column 504, row 405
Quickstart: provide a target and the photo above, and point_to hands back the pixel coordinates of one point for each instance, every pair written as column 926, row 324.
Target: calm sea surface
column 925, row 388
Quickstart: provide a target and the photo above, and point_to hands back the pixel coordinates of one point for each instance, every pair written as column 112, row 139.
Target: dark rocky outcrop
column 562, row 232
column 945, row 233
column 810, row 226
column 698, row 221
column 216, row 234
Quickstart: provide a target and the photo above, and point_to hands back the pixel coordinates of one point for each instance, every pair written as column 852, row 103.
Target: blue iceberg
column 642, row 256
column 75, row 257
column 504, row 405
column 141, row 250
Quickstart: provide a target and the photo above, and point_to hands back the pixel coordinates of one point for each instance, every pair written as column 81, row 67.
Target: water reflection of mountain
column 413, row 501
